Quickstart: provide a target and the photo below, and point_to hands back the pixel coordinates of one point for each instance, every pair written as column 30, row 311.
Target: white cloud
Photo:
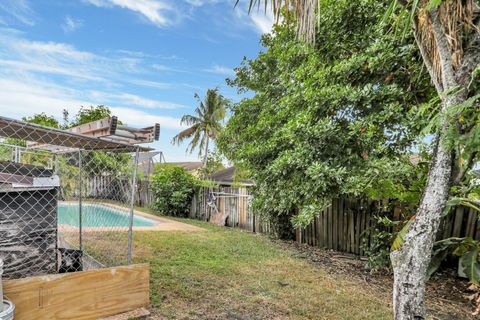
column 151, row 84
column 71, row 24
column 21, row 55
column 259, row 19
column 225, row 71
column 158, row 12
column 127, row 99
column 25, row 98
column 199, row 3
column 18, row 9
column 263, row 22
column 139, row 118
column 162, row 67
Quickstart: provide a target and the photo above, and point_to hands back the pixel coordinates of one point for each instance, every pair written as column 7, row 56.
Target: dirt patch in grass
column 446, row 294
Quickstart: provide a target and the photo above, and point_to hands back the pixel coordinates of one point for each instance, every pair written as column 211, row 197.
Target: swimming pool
column 98, row 216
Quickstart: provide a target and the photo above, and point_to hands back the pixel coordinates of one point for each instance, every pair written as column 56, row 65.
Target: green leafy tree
column 43, row 119
column 337, row 118
column 214, row 163
column 173, row 188
column 205, row 124
column 89, row 114
column 447, row 35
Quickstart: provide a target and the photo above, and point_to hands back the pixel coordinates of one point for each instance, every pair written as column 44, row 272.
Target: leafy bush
column 466, row 249
column 378, row 249
column 173, row 189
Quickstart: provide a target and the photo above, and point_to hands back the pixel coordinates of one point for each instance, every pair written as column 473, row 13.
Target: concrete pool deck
column 164, row 224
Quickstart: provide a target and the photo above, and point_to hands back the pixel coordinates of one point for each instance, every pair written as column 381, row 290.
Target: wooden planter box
column 80, row 295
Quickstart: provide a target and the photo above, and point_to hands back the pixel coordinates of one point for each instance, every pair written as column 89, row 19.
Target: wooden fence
column 347, row 224
column 113, row 188
column 344, row 226
column 232, row 203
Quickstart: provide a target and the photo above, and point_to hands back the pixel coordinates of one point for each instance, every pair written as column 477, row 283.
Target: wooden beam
column 80, row 295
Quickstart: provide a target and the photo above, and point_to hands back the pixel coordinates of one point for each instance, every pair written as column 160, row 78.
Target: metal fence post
column 80, row 200
column 132, row 204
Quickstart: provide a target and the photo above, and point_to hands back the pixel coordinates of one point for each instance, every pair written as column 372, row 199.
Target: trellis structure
column 49, row 220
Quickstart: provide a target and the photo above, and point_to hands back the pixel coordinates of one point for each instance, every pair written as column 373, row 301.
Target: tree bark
column 411, row 261
column 205, row 156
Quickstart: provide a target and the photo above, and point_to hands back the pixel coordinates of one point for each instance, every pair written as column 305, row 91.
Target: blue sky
column 144, row 59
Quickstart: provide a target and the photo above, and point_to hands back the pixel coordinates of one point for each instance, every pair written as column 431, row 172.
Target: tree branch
column 441, row 41
column 461, row 171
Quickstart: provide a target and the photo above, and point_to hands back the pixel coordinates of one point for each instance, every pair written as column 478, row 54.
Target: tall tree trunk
column 205, row 156
column 411, row 261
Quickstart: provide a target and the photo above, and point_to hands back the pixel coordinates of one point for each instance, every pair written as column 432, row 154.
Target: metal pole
column 80, row 200
column 16, row 154
column 132, row 204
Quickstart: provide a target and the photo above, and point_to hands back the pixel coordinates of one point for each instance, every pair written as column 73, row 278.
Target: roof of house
column 227, row 176
column 189, row 166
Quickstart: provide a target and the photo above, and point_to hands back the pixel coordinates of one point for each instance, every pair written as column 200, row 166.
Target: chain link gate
column 66, row 200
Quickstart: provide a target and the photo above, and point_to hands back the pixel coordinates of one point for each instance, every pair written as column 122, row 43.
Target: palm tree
column 448, row 37
column 206, row 124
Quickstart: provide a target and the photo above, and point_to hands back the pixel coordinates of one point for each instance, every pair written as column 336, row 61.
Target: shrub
column 173, row 189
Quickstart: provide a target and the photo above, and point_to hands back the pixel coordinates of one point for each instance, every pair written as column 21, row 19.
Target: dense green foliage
column 466, row 249
column 340, row 118
column 89, row 114
column 173, row 188
column 214, row 163
column 43, row 119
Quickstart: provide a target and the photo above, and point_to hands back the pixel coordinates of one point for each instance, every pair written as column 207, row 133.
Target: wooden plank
column 356, row 212
column 329, row 226
column 351, row 227
column 320, row 230
column 242, row 217
column 325, row 228
column 368, row 222
column 447, row 231
column 471, row 221
column 80, row 295
column 458, row 221
column 348, row 225
column 342, row 230
column 334, row 225
column 477, row 228
column 362, row 228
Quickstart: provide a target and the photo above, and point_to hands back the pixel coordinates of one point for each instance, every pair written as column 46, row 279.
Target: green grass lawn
column 224, row 273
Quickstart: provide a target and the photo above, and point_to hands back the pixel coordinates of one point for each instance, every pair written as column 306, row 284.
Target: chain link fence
column 66, row 201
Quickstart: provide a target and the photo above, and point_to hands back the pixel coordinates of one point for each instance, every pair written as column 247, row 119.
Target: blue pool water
column 97, row 215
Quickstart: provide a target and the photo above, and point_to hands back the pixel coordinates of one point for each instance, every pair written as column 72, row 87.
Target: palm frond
column 190, row 120
column 306, row 13
column 455, row 16
column 182, row 135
